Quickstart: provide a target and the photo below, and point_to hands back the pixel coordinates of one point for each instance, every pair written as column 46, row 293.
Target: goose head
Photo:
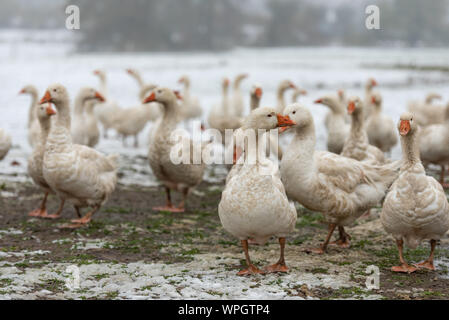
column 299, row 115
column 341, row 94
column 331, row 102
column 285, row 85
column 29, row 89
column 88, row 93
column 184, row 80
column 371, row 83
column 163, row 95
column 355, row 106
column 406, row 125
column 239, row 78
column 376, row 100
column 44, row 111
column 433, row 96
column 266, row 119
column 256, row 91
column 100, row 73
column 56, row 94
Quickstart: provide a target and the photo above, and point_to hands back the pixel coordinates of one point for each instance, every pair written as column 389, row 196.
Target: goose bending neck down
column 182, row 176
column 416, row 207
column 76, row 173
column 339, row 187
column 254, row 204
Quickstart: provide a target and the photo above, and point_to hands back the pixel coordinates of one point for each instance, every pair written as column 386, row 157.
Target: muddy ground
column 132, row 252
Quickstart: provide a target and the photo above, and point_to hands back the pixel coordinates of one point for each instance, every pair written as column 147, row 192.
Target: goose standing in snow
column 254, row 204
column 76, row 173
column 416, row 207
column 181, row 177
column 35, row 162
column 339, row 187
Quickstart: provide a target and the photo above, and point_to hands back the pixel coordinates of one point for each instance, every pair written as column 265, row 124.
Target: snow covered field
column 318, row 70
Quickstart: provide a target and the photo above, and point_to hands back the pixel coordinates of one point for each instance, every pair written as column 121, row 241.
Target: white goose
column 339, row 187
column 297, row 93
column 91, row 126
column 357, row 146
column 136, row 76
column 191, row 108
column 35, row 162
column 78, row 128
column 254, row 204
column 427, row 113
column 255, row 96
column 337, row 128
column 181, row 177
column 284, row 85
column 108, row 109
column 433, row 144
column 238, row 106
column 370, row 84
column 416, row 207
column 33, row 123
column 76, row 173
column 5, row 143
column 380, row 127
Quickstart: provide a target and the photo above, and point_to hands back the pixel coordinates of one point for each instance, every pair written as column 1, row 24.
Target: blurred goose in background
column 297, row 92
column 254, row 204
column 337, row 128
column 78, row 127
column 238, row 106
column 284, row 85
column 221, row 117
column 33, row 123
column 107, row 109
column 190, row 105
column 91, row 126
column 342, row 97
column 380, row 127
column 77, row 173
column 181, row 177
column 370, row 84
column 357, row 146
column 434, row 142
column 5, row 143
column 339, row 187
column 255, row 95
column 416, row 207
column 35, row 161
column 427, row 113
column 136, row 76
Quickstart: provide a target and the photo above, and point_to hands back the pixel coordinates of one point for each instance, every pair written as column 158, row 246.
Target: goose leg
column 344, row 240
column 169, row 206
column 279, row 266
column 42, row 211
column 252, row 269
column 428, row 264
column 58, row 213
column 185, row 192
column 323, row 247
column 77, row 223
column 404, row 267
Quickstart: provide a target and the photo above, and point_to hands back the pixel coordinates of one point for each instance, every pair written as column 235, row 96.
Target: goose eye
column 294, row 112
column 269, row 115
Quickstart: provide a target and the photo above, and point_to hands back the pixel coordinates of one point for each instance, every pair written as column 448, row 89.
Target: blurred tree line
column 163, row 25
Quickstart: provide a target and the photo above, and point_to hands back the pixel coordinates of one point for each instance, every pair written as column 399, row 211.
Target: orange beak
column 237, row 154
column 46, row 97
column 177, row 94
column 226, row 82
column 181, row 80
column 351, row 107
column 150, row 98
column 291, row 85
column 318, row 101
column 258, row 92
column 22, row 91
column 49, row 110
column 96, row 72
column 284, row 122
column 373, row 83
column 373, row 99
column 99, row 96
column 303, row 92
column 404, row 127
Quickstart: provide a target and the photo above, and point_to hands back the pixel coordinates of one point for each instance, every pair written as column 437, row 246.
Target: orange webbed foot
column 425, row 265
column 344, row 244
column 37, row 213
column 168, row 208
column 404, row 268
column 277, row 267
column 252, row 269
column 314, row 250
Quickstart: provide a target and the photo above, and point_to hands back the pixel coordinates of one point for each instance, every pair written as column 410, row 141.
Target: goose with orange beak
column 35, row 162
column 356, row 145
column 284, row 85
column 341, row 188
column 416, row 207
column 253, row 204
column 190, row 105
column 76, row 173
column 370, row 84
column 173, row 175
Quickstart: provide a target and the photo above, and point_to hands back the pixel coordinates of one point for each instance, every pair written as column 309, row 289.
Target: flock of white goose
column 342, row 183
